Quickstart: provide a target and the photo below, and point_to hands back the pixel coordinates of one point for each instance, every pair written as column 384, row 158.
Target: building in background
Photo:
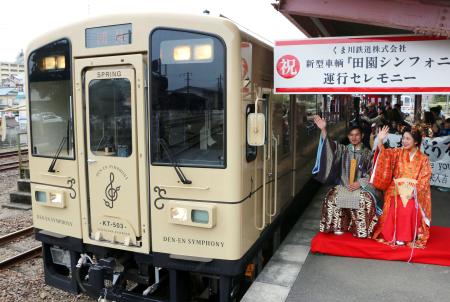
column 15, row 69
column 13, row 81
column 7, row 97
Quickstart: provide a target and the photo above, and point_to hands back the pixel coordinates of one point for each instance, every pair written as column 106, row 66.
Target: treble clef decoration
column 111, row 192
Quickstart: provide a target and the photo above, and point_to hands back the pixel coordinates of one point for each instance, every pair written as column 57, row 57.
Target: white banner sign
column 440, row 174
column 438, row 151
column 394, row 64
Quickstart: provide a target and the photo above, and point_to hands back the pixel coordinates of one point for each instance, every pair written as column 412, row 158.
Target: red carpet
column 437, row 250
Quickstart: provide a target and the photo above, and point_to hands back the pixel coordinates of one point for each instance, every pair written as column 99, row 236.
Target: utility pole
column 188, row 80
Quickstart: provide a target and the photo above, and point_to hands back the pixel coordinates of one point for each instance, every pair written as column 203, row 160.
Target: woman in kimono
column 406, row 216
column 350, row 206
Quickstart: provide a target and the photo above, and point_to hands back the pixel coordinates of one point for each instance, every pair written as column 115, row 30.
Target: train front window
column 110, row 117
column 187, row 99
column 51, row 115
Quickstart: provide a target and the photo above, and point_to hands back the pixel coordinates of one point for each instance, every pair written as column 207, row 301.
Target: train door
column 266, row 174
column 112, row 153
column 270, row 159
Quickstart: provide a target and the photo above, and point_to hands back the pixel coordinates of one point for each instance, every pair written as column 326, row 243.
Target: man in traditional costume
column 407, row 200
column 350, row 206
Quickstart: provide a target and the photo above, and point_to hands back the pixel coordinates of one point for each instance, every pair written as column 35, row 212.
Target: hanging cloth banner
column 381, row 65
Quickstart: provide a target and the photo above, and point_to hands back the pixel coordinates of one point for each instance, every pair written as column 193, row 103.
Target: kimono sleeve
column 329, row 154
column 384, row 162
column 423, row 183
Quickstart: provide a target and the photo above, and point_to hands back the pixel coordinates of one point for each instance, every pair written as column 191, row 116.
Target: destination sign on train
column 391, row 64
column 108, row 35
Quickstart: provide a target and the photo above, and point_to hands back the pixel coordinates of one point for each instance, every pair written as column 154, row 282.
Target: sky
column 24, row 20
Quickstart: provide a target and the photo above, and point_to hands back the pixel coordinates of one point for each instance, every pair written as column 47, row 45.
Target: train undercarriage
column 116, row 275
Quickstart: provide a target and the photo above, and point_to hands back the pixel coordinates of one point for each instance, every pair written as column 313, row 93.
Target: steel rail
column 31, row 253
column 10, row 237
column 12, row 153
column 10, row 165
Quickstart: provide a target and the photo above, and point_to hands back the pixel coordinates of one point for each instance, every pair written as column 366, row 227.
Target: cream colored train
column 144, row 185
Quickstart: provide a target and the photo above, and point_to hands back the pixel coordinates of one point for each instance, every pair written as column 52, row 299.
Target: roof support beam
column 425, row 17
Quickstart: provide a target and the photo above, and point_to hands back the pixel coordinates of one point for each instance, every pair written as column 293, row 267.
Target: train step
column 20, row 197
column 17, row 206
column 23, row 185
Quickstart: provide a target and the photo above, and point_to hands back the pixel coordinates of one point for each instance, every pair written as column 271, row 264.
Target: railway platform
column 295, row 274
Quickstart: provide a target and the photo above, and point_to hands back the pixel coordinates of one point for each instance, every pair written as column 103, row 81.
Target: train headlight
column 60, row 62
column 203, row 52
column 53, row 62
column 48, row 63
column 182, row 53
column 55, row 197
column 50, row 197
column 179, row 214
column 189, row 214
column 187, row 51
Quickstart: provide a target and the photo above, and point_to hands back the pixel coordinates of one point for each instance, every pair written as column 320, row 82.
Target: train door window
column 187, row 99
column 282, row 127
column 51, row 112
column 250, row 151
column 110, row 117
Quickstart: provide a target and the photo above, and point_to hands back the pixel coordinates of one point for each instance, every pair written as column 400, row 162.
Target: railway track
column 28, row 254
column 12, row 153
column 10, row 166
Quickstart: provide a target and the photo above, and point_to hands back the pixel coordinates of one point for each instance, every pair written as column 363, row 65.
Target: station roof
column 334, row 18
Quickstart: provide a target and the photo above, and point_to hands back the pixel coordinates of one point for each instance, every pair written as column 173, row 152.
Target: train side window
column 50, row 100
column 250, row 151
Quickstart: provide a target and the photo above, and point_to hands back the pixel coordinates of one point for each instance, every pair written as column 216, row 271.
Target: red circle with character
column 288, row 66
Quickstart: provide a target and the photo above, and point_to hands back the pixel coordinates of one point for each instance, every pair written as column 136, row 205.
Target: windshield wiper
column 51, row 168
column 180, row 173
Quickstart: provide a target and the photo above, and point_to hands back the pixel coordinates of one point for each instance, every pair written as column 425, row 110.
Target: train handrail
column 275, row 182
column 263, row 210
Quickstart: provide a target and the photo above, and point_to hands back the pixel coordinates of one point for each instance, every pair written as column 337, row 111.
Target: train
column 162, row 165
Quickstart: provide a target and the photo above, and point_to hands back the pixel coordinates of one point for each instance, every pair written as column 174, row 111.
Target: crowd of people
column 379, row 193
column 373, row 117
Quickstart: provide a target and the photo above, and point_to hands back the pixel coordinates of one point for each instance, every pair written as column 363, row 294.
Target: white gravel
column 25, row 282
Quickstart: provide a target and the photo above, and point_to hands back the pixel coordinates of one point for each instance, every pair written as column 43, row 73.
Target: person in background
column 350, row 206
column 436, row 130
column 436, row 112
column 446, row 129
column 365, row 124
column 405, row 223
column 398, row 115
column 389, row 111
column 379, row 120
column 394, row 128
column 371, row 112
column 440, row 114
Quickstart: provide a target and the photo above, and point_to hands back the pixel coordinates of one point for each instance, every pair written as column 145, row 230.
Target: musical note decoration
column 111, row 192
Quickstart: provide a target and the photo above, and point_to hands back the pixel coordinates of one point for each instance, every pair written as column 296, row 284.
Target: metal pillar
column 417, row 107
